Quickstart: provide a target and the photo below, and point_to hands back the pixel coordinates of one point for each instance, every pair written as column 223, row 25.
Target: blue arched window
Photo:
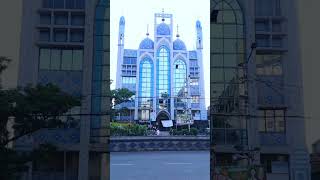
column 163, row 74
column 145, row 82
column 180, row 77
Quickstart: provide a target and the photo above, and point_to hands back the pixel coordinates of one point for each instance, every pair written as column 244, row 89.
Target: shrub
column 122, row 129
column 184, row 132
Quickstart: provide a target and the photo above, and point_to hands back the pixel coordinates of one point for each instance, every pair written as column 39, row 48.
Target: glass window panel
column 230, row 31
column 262, row 26
column 216, row 30
column 216, row 45
column 262, row 121
column 229, row 17
column 44, row 59
column 240, row 31
column 77, row 19
column 280, row 120
column 77, row 59
column 270, row 121
column 230, row 45
column 277, row 69
column 60, row 35
column 230, row 75
column 70, row 4
column 55, row 59
column 220, row 16
column 80, row 4
column 276, row 26
column 217, row 75
column 60, row 18
column 239, row 16
column 45, row 18
column 76, row 35
column 217, row 90
column 44, row 35
column 230, row 60
column 217, row 60
column 240, row 46
column 66, row 60
column 58, row 4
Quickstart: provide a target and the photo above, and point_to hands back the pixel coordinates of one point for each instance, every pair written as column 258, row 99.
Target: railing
column 223, row 136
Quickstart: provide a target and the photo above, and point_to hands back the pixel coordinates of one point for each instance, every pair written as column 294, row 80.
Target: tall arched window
column 180, row 77
column 163, row 76
column 227, row 52
column 145, row 82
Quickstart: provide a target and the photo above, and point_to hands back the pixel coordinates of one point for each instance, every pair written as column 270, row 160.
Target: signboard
column 167, row 123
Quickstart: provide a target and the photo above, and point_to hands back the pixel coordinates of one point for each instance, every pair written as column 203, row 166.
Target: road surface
column 171, row 165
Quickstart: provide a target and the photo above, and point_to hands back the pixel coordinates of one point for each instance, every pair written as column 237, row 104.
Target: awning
column 167, row 123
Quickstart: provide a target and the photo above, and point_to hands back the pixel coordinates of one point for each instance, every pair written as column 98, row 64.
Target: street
column 178, row 165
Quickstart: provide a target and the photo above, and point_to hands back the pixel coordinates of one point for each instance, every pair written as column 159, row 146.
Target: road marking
column 178, row 163
column 122, row 164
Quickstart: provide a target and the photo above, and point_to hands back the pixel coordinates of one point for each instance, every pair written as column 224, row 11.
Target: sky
column 139, row 14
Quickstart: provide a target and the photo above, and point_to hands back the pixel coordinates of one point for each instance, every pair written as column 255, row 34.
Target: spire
column 178, row 31
column 147, row 30
column 163, row 15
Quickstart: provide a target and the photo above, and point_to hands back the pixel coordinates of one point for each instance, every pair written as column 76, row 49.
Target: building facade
column 256, row 87
column 167, row 78
column 256, row 103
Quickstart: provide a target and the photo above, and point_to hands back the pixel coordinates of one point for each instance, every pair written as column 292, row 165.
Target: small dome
column 179, row 45
column 163, row 29
column 147, row 43
column 122, row 21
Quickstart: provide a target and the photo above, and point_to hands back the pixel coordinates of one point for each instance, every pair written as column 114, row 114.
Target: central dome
column 163, row 29
column 147, row 43
column 179, row 45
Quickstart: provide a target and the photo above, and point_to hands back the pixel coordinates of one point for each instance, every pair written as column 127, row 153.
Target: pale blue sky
column 139, row 13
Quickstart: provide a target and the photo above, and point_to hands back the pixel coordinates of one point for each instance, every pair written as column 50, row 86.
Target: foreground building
column 167, row 78
column 256, row 89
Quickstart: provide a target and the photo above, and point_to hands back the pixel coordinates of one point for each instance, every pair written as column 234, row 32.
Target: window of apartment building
column 61, row 4
column 60, row 35
column 60, row 59
column 194, row 82
column 129, row 60
column 75, row 4
column 272, row 120
column 263, row 40
column 44, row 34
column 77, row 19
column 269, row 64
column 76, row 35
column 58, row 4
column 45, row 18
column 195, row 99
column 268, row 7
column 61, row 18
column 128, row 80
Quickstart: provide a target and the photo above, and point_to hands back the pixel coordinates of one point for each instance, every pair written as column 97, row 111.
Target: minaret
column 120, row 51
column 199, row 43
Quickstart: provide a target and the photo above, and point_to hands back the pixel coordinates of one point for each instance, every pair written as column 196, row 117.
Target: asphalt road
column 179, row 165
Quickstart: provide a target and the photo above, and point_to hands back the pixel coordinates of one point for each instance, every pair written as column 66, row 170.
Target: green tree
column 118, row 97
column 121, row 95
column 32, row 108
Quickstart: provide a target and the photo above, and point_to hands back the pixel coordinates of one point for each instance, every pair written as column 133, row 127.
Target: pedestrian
column 158, row 132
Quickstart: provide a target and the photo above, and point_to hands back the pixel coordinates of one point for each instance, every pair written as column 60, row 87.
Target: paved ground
column 160, row 166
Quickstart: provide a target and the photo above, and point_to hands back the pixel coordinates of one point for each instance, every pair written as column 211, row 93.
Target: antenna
column 163, row 14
